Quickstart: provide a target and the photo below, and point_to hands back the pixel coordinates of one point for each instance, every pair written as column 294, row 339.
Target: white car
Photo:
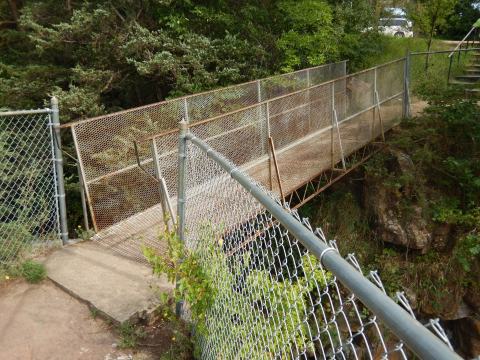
column 399, row 27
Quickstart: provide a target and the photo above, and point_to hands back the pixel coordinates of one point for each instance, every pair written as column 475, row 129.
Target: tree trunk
column 430, row 38
column 14, row 5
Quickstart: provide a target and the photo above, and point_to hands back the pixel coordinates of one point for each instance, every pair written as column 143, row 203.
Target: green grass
column 425, row 82
column 394, row 48
column 33, row 271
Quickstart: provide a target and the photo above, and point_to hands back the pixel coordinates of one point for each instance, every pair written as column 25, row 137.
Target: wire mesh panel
column 273, row 298
column 28, row 210
column 373, row 104
column 117, row 189
column 311, row 130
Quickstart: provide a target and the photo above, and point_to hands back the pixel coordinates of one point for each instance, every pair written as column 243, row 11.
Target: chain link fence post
column 406, row 89
column 182, row 187
column 62, row 208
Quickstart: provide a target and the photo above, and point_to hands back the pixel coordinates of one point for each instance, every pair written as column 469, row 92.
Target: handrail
column 25, row 112
column 264, row 102
column 443, row 51
column 461, row 42
column 418, row 338
column 178, row 99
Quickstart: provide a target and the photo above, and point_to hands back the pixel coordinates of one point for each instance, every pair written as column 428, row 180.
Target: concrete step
column 467, row 84
column 468, row 78
column 472, row 93
column 472, row 71
column 118, row 288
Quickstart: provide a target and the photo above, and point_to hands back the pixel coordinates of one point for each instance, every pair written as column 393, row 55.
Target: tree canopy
column 102, row 56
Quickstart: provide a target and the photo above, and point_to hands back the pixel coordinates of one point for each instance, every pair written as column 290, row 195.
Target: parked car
column 399, row 27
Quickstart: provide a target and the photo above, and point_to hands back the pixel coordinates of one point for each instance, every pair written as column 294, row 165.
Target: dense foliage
column 465, row 13
column 100, row 56
column 210, row 282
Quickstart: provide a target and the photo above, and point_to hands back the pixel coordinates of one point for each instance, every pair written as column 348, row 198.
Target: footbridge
column 295, row 134
column 224, row 172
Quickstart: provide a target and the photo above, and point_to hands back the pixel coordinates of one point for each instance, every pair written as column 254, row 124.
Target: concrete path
column 118, row 288
column 42, row 322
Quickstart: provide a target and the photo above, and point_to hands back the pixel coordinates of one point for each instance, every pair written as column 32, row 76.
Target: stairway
column 471, row 76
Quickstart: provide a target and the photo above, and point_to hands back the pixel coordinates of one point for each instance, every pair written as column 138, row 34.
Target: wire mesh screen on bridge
column 285, row 142
column 311, row 129
column 119, row 193
column 273, row 298
column 28, row 192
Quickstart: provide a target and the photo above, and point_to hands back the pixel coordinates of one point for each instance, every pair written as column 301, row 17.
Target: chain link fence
column 281, row 290
column 29, row 213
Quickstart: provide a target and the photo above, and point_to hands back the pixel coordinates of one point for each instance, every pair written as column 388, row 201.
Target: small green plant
column 12, row 246
column 468, row 251
column 129, row 335
column 33, row 271
column 180, row 348
column 193, row 283
column 84, row 234
column 94, row 312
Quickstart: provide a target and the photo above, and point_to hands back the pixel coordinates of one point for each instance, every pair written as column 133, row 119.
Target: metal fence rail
column 31, row 183
column 282, row 290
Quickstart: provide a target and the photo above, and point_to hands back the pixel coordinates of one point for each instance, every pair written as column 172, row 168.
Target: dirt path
column 43, row 322
column 417, row 106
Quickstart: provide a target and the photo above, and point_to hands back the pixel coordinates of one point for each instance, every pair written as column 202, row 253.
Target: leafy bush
column 193, row 282
column 468, row 250
column 211, row 283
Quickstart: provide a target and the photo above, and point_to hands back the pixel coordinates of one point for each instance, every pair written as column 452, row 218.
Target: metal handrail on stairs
column 463, row 41
column 458, row 49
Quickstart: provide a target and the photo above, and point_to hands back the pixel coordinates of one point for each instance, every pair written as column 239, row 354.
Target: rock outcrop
column 394, row 222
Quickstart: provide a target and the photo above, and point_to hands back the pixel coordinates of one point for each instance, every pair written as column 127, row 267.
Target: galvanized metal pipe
column 419, row 339
column 406, row 88
column 25, row 112
column 182, row 173
column 442, row 52
column 59, row 171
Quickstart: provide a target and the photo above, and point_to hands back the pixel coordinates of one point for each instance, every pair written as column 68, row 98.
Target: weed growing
column 33, row 271
column 130, row 335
